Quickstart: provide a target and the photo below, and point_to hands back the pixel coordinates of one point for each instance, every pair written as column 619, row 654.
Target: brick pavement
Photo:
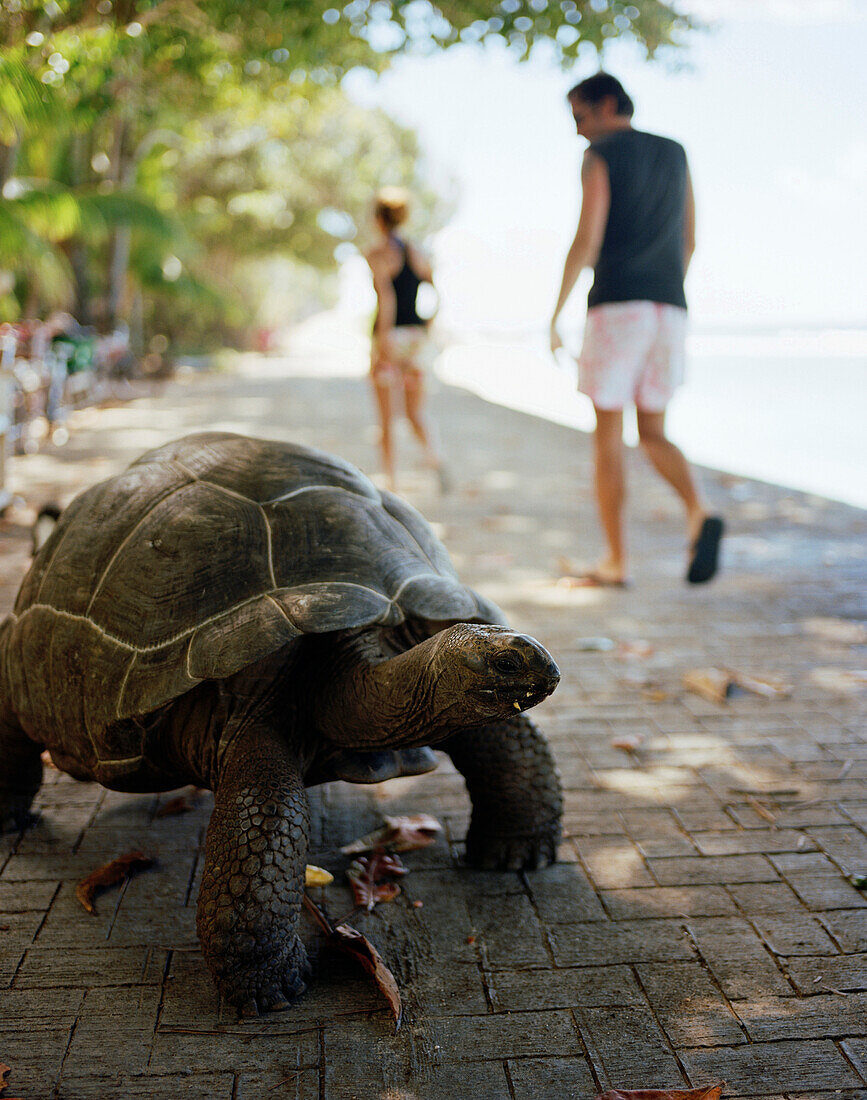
column 699, row 925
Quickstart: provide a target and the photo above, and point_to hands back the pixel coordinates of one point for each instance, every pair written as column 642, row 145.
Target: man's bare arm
column 584, row 250
column 688, row 223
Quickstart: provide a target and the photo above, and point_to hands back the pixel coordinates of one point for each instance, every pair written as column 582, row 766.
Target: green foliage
column 176, row 148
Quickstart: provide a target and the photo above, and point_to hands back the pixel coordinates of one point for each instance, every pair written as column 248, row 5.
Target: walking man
column 637, row 231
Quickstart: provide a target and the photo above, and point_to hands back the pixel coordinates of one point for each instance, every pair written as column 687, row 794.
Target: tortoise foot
column 269, row 985
column 513, row 853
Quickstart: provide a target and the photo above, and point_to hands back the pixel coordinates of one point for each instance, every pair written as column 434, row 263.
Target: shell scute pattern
column 205, row 556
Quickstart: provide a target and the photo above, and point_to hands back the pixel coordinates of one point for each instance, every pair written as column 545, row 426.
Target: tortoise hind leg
column 253, row 883
column 20, row 775
column 515, row 791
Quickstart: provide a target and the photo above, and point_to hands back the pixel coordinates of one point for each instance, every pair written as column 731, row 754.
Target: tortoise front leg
column 20, row 775
column 515, row 791
column 253, row 883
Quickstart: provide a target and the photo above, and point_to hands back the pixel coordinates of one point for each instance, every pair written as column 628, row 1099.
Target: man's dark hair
column 595, row 88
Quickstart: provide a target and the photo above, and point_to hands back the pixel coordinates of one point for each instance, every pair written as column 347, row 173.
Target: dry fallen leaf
column 846, row 681
column 656, row 695
column 399, row 834
column 45, row 757
column 368, row 877
column 109, row 875
column 4, row 1073
column 710, row 683
column 350, row 940
column 718, row 684
column 844, row 631
column 708, row 1092
column 317, row 876
column 638, row 650
column 627, row 744
column 180, row 805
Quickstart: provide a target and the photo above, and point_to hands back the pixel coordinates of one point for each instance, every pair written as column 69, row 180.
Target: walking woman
column 401, row 348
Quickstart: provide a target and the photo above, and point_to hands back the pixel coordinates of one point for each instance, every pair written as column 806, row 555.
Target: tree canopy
column 154, row 147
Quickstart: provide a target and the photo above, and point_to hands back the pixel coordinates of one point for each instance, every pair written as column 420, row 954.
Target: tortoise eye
column 506, row 663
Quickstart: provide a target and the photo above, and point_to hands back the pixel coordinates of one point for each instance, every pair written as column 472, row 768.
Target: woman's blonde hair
column 392, row 206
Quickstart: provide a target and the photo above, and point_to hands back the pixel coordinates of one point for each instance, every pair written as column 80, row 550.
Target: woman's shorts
column 413, row 347
column 633, row 353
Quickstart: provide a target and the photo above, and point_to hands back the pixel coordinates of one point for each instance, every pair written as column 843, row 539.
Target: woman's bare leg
column 382, row 388
column 413, row 398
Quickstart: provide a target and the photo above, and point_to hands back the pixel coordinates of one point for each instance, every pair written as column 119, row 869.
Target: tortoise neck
column 365, row 701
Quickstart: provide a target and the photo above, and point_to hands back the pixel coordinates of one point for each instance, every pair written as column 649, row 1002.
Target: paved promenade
column 699, row 925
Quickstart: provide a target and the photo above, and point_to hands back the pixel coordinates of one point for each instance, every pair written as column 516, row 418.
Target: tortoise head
column 483, row 673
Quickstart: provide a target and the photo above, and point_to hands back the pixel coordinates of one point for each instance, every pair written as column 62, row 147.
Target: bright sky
column 770, row 109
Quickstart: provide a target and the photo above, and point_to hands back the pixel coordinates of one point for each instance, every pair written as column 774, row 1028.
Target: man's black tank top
column 406, row 284
column 641, row 258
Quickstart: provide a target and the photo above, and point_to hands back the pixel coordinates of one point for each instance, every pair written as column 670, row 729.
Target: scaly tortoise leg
column 515, row 791
column 253, row 883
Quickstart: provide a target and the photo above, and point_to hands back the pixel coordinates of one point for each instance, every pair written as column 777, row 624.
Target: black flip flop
column 705, row 551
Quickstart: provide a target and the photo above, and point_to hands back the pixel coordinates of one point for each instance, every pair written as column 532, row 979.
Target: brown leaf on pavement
column 710, row 683
column 627, row 744
column 845, row 681
column 368, row 877
column 180, row 805
column 638, row 650
column 350, row 940
column 109, row 875
column 771, row 687
column 4, row 1073
column 398, row 834
column 708, row 1092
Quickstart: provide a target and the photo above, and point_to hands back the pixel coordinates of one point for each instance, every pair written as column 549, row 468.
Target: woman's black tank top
column 406, row 284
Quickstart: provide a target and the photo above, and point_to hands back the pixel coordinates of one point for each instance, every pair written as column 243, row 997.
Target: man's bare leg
column 610, row 492
column 668, row 461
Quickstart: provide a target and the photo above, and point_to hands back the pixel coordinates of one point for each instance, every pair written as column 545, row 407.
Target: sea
column 787, row 406
column 782, row 405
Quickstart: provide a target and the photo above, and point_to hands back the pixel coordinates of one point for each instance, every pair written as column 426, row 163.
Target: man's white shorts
column 633, row 353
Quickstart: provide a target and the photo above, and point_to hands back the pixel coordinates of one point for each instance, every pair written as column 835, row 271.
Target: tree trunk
column 8, row 156
column 123, row 170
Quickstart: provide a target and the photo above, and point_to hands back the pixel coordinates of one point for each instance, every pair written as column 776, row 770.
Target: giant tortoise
column 255, row 617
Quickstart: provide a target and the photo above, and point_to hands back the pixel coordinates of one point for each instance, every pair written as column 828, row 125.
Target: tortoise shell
column 202, row 557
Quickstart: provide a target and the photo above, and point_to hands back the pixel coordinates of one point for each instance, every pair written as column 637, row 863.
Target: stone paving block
column 752, row 1069
column 21, row 897
column 550, row 1078
column 620, row 942
column 815, row 975
column 516, row 990
column 114, row 1033
column 766, row 897
column 506, row 1035
column 457, row 989
column 701, row 819
column 794, row 933
column 613, row 863
column 194, row 1086
column 668, row 901
column 743, row 842
column 11, row 957
column 737, row 958
column 29, row 1010
column 35, row 1066
column 300, row 1084
column 69, row 924
column 564, row 894
column 695, row 870
column 45, row 967
column 689, row 1005
column 236, row 1051
column 827, row 892
column 856, row 1051
column 578, row 823
column 628, row 1048
column 848, row 927
column 509, row 930
column 806, row 863
column 819, row 1016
